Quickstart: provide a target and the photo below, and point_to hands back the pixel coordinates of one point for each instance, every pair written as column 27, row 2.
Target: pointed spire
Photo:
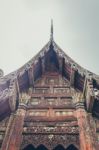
column 51, row 36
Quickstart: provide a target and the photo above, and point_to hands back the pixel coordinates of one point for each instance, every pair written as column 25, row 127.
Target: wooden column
column 85, row 131
column 8, row 132
column 16, row 137
column 13, row 136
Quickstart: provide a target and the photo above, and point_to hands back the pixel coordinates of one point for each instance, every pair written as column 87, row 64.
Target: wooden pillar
column 8, row 132
column 16, row 137
column 13, row 136
column 85, row 132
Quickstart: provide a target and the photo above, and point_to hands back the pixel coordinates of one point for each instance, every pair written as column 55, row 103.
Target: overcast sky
column 25, row 29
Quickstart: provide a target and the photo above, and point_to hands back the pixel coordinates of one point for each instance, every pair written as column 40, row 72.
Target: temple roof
column 50, row 58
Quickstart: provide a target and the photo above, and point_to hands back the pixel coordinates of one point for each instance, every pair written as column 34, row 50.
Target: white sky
column 25, row 29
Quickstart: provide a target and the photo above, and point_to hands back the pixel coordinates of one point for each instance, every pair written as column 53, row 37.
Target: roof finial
column 51, row 36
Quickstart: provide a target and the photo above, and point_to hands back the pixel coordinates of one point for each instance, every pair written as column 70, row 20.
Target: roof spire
column 51, row 36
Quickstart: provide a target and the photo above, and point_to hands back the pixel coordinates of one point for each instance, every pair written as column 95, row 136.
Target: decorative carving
column 50, row 140
column 4, row 94
column 24, row 98
column 51, row 130
column 38, row 102
column 72, row 123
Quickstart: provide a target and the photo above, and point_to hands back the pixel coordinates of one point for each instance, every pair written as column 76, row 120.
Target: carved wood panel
column 50, row 140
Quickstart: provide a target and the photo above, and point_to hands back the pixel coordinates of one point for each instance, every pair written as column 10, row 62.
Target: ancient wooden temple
column 51, row 103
